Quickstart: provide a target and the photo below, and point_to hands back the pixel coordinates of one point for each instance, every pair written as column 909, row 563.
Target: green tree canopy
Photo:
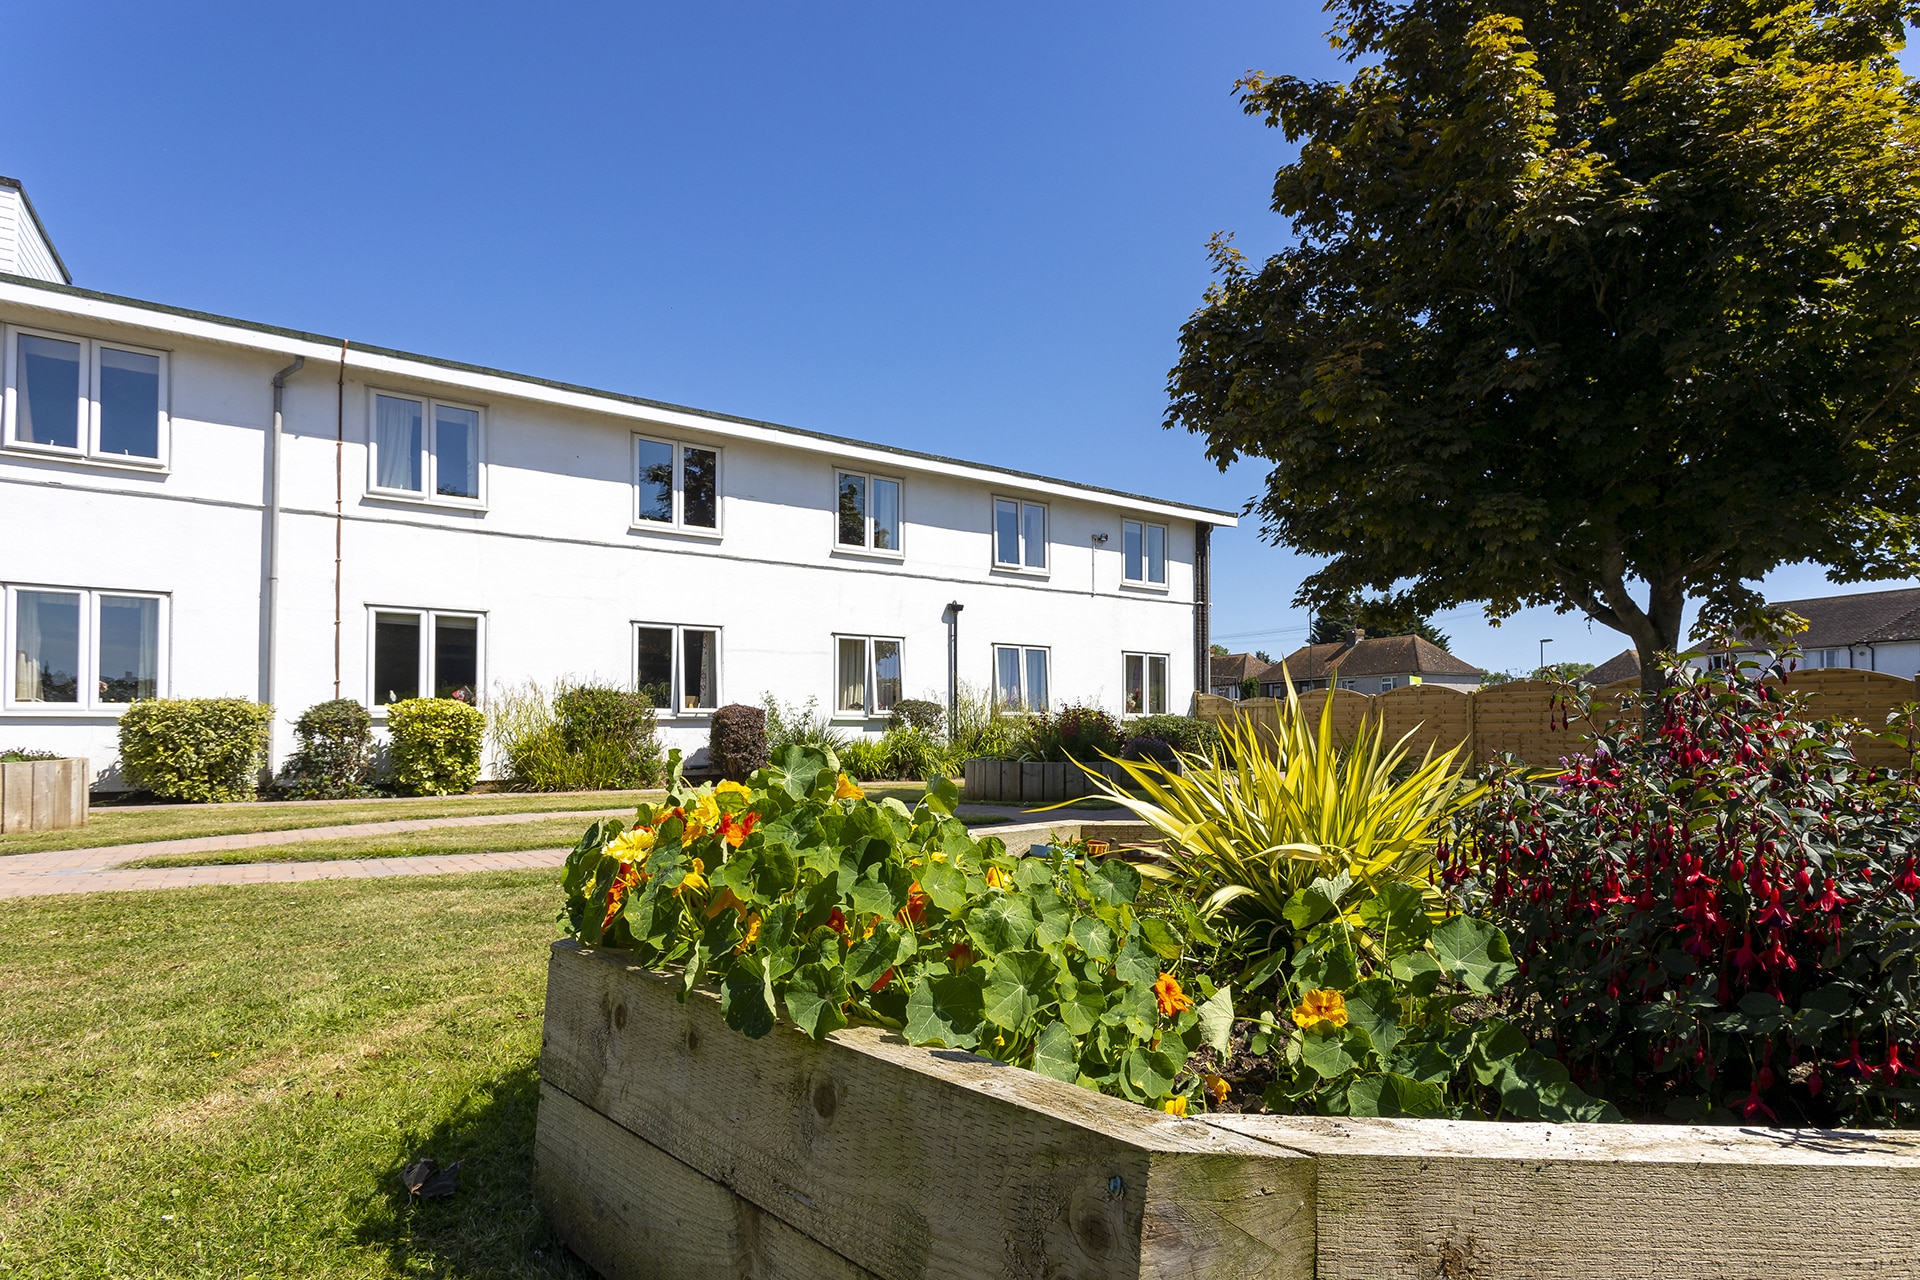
column 1379, row 617
column 1603, row 304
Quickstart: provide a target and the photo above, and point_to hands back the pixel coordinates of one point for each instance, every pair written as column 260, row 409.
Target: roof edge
column 39, row 226
column 1192, row 510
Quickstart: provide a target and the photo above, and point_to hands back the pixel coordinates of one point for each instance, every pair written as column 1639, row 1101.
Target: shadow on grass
column 489, row 1229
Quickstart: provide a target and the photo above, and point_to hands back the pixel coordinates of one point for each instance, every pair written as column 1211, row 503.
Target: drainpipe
column 268, row 666
column 953, row 668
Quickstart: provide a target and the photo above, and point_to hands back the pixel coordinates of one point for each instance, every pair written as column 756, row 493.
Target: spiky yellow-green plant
column 1267, row 811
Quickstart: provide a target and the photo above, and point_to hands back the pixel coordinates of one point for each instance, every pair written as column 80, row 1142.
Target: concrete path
column 100, row 870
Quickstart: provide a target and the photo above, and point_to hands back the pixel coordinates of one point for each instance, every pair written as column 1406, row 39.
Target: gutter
column 269, row 668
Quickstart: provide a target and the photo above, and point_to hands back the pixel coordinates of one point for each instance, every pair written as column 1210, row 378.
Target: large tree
column 1603, row 304
column 1381, row 617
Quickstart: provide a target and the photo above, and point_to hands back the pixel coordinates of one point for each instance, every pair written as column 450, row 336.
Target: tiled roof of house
column 1862, row 618
column 1624, row 665
column 1384, row 656
column 1235, row 667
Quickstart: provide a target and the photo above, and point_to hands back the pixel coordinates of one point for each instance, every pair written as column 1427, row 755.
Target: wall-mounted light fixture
column 1100, row 538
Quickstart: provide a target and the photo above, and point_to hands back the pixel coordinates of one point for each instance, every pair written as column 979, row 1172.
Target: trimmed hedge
column 334, row 759
column 737, row 743
column 436, row 745
column 209, row 750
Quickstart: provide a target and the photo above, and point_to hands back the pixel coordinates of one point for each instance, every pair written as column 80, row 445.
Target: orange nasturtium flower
column 1166, row 990
column 1321, row 1005
column 629, row 878
column 916, row 909
column 848, row 789
column 723, row 900
column 1175, row 1106
column 736, row 830
column 1217, row 1087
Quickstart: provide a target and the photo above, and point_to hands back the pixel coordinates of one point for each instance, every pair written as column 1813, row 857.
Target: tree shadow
column 489, row 1229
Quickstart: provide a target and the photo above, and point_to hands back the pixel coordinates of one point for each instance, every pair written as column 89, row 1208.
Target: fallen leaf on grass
column 424, row 1178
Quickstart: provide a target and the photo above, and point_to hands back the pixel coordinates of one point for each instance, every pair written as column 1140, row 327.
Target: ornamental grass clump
column 1714, row 913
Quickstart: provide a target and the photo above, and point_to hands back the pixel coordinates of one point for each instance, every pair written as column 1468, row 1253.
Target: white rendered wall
column 552, row 563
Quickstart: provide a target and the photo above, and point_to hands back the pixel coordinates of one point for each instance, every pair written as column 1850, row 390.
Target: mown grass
column 226, row 1082
column 546, row 833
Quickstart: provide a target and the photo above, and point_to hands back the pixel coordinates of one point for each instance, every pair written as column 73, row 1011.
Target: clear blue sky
column 973, row 230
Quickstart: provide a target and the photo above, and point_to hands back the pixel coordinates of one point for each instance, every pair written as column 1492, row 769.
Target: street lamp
column 1542, row 672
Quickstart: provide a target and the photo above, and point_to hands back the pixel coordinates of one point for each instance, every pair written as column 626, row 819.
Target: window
column 677, row 668
column 85, row 398
column 424, row 449
column 1020, row 677
column 1816, row 658
column 1019, row 534
column 425, row 653
column 80, row 649
column 1144, row 677
column 1354, row 685
column 1146, row 552
column 676, row 486
column 866, row 675
column 867, row 512
column 1388, row 684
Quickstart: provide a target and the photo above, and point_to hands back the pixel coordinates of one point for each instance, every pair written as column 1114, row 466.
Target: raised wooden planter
column 671, row 1146
column 43, row 795
column 1027, row 781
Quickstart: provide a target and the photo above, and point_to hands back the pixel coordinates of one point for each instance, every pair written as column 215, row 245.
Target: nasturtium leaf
column 1162, row 938
column 746, row 998
column 868, row 962
column 945, row 885
column 1132, row 1006
column 1331, row 967
column 814, row 996
column 1151, row 1071
column 873, row 898
column 1032, row 873
column 942, row 794
column 737, row 874
column 1054, row 1053
column 1372, row 1007
column 1388, row 1094
column 1418, row 970
column 1019, row 984
column 957, row 844
column 1398, row 912
column 1092, row 937
column 1004, row 922
column 1314, row 903
column 1328, row 1052
column 690, row 975
column 1474, row 954
column 1113, row 882
column 776, row 871
column 1055, row 917
column 1216, row 1021
column 1134, row 966
column 1081, row 1004
column 947, row 1010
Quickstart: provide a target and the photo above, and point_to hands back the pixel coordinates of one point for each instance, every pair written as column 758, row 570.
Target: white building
column 426, row 526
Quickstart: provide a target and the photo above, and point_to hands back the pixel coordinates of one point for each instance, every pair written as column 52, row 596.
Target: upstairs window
column 677, row 668
column 866, row 675
column 425, row 449
column 77, row 649
column 676, row 486
column 86, row 399
column 1144, row 679
column 867, row 513
column 1019, row 534
column 1146, row 553
column 1020, row 677
column 424, row 653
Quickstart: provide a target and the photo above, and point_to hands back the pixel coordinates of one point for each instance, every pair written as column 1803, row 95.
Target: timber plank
column 633, row 1212
column 915, row 1162
column 1416, row 1199
column 16, row 796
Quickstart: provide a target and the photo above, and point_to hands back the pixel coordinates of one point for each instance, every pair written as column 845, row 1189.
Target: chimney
column 1359, row 634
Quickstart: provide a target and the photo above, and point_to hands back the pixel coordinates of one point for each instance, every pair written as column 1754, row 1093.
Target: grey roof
column 1376, row 656
column 40, row 226
column 1866, row 617
column 1624, row 665
column 1234, row 667
column 303, row 336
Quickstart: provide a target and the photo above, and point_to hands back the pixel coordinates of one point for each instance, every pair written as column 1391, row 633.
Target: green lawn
column 226, row 1082
column 547, row 833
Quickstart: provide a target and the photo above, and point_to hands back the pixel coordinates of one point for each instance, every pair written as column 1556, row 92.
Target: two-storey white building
column 192, row 506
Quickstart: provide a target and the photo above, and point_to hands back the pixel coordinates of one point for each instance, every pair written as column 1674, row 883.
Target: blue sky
column 972, row 230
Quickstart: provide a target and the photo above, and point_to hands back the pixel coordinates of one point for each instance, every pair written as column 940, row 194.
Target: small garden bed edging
column 43, row 795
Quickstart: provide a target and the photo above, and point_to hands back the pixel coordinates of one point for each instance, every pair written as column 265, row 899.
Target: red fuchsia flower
column 1745, row 958
column 1815, row 1082
column 1909, row 881
column 1855, row 1061
column 1830, row 901
column 1753, row 1108
column 1891, row 1072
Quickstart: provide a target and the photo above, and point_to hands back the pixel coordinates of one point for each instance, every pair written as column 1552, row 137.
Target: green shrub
column 737, row 742
column 205, row 749
column 915, row 713
column 899, row 754
column 586, row 738
column 980, row 728
column 334, row 757
column 1189, row 734
column 436, row 745
column 800, row 725
column 1086, row 733
column 24, row 756
column 865, row 759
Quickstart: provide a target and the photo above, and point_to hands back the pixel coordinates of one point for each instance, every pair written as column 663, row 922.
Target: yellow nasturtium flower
column 752, row 934
column 847, row 789
column 695, row 879
column 732, row 788
column 703, row 817
column 998, row 879
column 632, row 845
column 1321, row 1005
column 1175, row 1106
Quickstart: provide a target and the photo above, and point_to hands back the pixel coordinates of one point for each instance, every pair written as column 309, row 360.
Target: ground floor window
column 1144, row 680
column 866, row 675
column 79, row 648
column 1020, row 677
column 425, row 653
column 677, row 667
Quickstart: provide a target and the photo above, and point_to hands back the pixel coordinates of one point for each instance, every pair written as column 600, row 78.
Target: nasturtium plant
column 797, row 896
column 1389, row 1015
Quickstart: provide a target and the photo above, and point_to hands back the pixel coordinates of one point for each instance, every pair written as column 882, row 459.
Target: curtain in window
column 47, row 647
column 1007, row 678
column 852, row 682
column 396, row 443
column 1156, row 553
column 1036, row 531
column 886, row 674
column 886, row 515
column 700, row 670
column 129, row 648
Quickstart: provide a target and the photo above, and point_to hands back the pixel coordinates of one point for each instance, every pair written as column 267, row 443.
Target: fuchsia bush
column 1714, row 913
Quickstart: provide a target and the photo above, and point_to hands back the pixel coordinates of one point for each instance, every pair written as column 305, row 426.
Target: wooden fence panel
column 1525, row 718
column 1439, row 718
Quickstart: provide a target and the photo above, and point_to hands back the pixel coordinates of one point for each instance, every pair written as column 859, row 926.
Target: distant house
column 1227, row 673
column 1871, row 631
column 1624, row 665
column 1366, row 665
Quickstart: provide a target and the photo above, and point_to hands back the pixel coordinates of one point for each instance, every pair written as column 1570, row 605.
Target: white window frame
column 428, row 494
column 870, row 710
column 87, row 408
column 89, row 641
column 1021, row 507
column 1146, row 583
column 1146, row 682
column 1389, row 683
column 679, row 523
column 426, row 676
column 1023, row 650
column 866, row 548
column 1351, row 686
column 677, row 690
